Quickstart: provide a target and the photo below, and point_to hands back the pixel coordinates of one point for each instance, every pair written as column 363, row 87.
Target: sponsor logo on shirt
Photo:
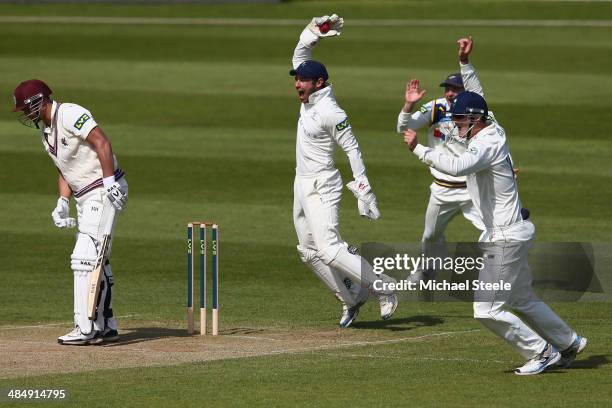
column 472, row 150
column 64, row 142
column 423, row 109
column 343, row 125
column 81, row 121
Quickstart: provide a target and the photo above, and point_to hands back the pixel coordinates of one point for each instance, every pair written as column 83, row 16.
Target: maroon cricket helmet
column 26, row 90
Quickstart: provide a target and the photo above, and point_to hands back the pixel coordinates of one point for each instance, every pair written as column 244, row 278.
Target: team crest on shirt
column 343, row 125
column 81, row 121
column 64, row 142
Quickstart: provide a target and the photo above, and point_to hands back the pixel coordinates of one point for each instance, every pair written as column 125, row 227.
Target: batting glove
column 326, row 26
column 61, row 214
column 366, row 200
column 116, row 196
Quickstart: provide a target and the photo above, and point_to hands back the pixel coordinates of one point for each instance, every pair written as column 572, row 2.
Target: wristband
column 108, row 181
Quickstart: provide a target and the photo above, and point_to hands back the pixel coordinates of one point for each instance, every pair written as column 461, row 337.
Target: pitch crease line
column 50, row 324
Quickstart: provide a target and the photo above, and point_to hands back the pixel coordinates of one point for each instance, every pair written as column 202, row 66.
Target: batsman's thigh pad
column 93, row 214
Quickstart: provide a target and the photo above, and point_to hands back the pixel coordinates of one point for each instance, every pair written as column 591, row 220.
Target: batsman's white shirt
column 65, row 142
column 489, row 175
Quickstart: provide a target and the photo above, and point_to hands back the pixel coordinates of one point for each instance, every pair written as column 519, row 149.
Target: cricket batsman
column 487, row 166
column 89, row 172
column 322, row 125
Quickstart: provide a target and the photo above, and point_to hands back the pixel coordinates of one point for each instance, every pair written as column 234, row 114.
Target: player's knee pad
column 486, row 310
column 306, row 255
column 328, row 254
column 84, row 255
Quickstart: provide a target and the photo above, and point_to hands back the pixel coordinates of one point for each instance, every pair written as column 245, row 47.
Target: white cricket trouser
column 315, row 217
column 93, row 214
column 444, row 204
column 505, row 258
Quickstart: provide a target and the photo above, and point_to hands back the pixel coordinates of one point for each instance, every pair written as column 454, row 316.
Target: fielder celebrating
column 83, row 156
column 509, row 233
column 318, row 185
column 449, row 194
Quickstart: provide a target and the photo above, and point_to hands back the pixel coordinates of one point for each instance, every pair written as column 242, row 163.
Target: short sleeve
column 78, row 121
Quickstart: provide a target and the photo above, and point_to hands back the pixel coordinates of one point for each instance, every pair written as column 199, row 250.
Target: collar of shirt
column 320, row 94
column 53, row 109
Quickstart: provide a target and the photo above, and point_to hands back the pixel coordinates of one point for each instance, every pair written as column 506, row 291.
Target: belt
column 97, row 184
column 450, row 184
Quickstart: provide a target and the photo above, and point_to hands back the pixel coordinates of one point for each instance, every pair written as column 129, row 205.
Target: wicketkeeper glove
column 326, row 26
column 61, row 214
column 116, row 196
column 366, row 200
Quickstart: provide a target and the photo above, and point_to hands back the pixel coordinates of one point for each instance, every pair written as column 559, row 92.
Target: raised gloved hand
column 117, row 196
column 326, row 26
column 366, row 200
column 61, row 214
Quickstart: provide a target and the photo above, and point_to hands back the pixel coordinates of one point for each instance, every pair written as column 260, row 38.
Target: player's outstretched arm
column 479, row 156
column 319, row 27
column 468, row 73
column 418, row 119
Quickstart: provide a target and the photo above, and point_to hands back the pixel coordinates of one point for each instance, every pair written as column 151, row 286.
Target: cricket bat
column 95, row 278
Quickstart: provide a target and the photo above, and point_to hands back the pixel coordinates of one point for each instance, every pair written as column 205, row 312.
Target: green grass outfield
column 202, row 119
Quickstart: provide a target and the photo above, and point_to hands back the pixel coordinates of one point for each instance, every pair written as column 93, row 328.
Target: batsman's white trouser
column 93, row 213
column 315, row 217
column 505, row 258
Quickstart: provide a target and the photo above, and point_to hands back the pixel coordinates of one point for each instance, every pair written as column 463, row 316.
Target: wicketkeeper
column 89, row 172
column 322, row 125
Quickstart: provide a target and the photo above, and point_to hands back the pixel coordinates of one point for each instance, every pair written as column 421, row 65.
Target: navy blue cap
column 467, row 103
column 453, row 80
column 310, row 70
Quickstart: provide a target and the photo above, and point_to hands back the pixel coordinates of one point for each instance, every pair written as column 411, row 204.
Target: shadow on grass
column 590, row 362
column 142, row 334
column 400, row 324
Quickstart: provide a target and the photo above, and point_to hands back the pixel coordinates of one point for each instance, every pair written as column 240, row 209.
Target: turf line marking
column 466, row 360
column 250, row 337
column 299, row 22
column 370, row 343
column 51, row 324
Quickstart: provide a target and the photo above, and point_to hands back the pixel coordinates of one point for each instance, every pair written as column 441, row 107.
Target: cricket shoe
column 569, row 354
column 110, row 335
column 78, row 338
column 545, row 359
column 388, row 304
column 349, row 314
